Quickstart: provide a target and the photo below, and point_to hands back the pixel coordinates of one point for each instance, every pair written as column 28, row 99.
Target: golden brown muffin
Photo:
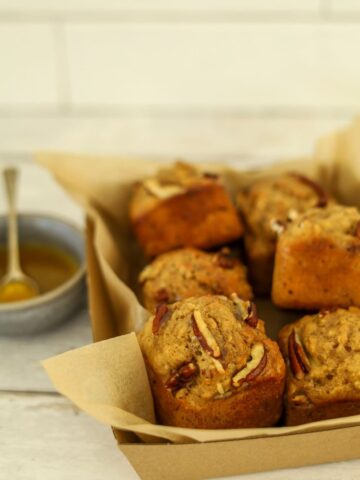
column 322, row 352
column 182, row 207
column 211, row 365
column 267, row 205
column 189, row 272
column 317, row 263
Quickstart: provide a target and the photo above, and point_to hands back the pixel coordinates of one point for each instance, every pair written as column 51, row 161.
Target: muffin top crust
column 323, row 355
column 208, row 348
column 337, row 222
column 189, row 272
column 268, row 204
column 167, row 183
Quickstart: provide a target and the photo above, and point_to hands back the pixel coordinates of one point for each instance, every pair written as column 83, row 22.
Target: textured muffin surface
column 211, row 364
column 279, row 198
column 323, row 357
column 267, row 206
column 337, row 222
column 169, row 182
column 190, row 272
column 317, row 261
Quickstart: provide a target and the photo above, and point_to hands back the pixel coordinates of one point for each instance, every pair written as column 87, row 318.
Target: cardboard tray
column 219, row 459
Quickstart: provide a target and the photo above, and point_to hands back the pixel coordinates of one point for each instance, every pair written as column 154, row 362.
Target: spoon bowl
column 14, row 288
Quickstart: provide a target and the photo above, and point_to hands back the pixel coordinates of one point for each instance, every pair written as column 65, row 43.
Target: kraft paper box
column 108, row 379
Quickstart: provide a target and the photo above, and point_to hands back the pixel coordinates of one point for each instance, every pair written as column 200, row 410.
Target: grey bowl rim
column 61, row 289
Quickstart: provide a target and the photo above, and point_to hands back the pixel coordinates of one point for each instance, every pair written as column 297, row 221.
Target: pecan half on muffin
column 211, row 365
column 267, row 206
column 189, row 272
column 317, row 263
column 182, row 206
column 323, row 358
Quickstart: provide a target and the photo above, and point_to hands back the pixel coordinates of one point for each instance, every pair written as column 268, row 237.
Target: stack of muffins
column 209, row 360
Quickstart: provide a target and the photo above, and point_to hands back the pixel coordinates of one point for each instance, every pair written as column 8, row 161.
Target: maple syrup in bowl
column 52, row 253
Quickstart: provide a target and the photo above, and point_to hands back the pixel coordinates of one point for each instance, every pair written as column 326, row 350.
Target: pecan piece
column 242, row 307
column 220, row 388
column 298, row 361
column 225, row 260
column 277, row 226
column 292, row 214
column 320, row 192
column 252, row 318
column 247, row 310
column 211, row 175
column 253, row 367
column 326, row 311
column 218, row 366
column 357, row 230
column 161, row 296
column 205, row 337
column 180, row 377
column 162, row 313
column 146, row 274
column 155, row 188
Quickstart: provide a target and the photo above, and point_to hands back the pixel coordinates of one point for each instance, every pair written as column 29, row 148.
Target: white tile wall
column 346, row 6
column 28, row 73
column 237, row 78
column 216, row 66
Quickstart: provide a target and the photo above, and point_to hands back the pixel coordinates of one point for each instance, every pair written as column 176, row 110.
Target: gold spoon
column 15, row 285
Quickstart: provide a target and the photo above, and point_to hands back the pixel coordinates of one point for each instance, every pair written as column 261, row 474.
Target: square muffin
column 317, row 262
column 323, row 366
column 267, row 206
column 180, row 207
column 189, row 272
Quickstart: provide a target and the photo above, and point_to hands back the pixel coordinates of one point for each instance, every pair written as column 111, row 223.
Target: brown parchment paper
column 108, row 379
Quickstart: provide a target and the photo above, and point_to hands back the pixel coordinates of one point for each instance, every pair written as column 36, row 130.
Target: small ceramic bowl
column 51, row 308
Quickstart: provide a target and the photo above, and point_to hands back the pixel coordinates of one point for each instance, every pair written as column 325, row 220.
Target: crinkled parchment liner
column 108, row 379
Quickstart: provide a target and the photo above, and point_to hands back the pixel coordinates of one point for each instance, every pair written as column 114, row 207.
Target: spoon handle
column 10, row 178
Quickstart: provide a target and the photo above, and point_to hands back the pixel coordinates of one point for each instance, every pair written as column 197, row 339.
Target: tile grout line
column 326, row 10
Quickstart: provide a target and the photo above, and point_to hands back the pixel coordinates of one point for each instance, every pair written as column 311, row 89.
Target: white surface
column 43, row 437
column 22, row 372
